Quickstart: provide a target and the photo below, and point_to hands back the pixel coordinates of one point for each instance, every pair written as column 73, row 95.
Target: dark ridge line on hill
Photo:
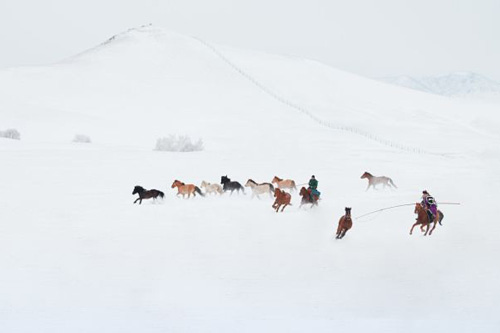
column 306, row 112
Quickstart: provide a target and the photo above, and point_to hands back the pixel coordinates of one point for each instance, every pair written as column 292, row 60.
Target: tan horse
column 287, row 183
column 374, row 181
column 345, row 223
column 423, row 219
column 258, row 189
column 186, row 189
column 211, row 188
column 282, row 198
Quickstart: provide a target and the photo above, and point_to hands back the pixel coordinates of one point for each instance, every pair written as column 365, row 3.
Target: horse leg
column 136, row 200
column 278, row 207
column 427, row 230
column 339, row 229
column 413, row 226
column 343, row 233
column 434, row 227
column 282, row 209
column 368, row 186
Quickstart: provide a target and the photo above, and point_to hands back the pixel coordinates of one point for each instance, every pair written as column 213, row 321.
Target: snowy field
column 77, row 256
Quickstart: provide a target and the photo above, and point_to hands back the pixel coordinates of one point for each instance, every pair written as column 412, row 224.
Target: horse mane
column 139, row 188
column 368, row 174
column 278, row 178
column 252, row 181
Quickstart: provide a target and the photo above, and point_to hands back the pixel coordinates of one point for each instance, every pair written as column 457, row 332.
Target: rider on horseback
column 313, row 189
column 430, row 205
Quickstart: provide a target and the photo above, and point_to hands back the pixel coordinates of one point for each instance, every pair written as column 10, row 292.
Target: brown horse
column 306, row 198
column 186, row 189
column 146, row 194
column 374, row 181
column 282, row 198
column 345, row 223
column 424, row 221
column 287, row 183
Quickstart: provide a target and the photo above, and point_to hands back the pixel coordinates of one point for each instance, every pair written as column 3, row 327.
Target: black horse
column 228, row 185
column 146, row 194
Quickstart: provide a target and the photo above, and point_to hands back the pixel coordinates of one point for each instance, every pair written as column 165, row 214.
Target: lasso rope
column 402, row 205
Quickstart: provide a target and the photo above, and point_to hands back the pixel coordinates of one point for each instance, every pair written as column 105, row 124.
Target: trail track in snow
column 307, row 112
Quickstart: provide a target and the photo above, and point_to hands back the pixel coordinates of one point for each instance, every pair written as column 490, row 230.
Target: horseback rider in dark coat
column 313, row 189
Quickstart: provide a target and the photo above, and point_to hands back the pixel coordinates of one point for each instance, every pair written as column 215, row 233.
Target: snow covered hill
column 456, row 84
column 146, row 76
column 77, row 256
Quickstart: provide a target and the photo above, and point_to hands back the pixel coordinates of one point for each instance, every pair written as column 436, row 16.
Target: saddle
column 313, row 194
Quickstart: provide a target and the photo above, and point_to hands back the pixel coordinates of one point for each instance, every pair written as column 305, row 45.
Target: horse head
column 250, row 182
column 276, row 180
column 366, row 175
column 224, row 179
column 277, row 192
column 348, row 211
column 303, row 192
column 418, row 207
column 176, row 183
column 138, row 189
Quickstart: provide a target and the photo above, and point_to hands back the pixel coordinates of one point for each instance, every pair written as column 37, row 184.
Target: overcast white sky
column 372, row 38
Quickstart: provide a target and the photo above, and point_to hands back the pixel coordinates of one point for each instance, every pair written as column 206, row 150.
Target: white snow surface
column 77, row 256
column 454, row 84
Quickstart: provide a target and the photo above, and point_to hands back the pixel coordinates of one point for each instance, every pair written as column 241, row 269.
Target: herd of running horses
column 282, row 196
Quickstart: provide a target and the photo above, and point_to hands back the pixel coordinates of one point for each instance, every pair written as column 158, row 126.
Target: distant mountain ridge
column 455, row 84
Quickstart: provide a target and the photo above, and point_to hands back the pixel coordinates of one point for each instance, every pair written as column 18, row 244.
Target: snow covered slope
column 147, row 76
column 456, row 84
column 77, row 256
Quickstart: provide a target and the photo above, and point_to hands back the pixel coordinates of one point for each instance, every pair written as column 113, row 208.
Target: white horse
column 258, row 189
column 211, row 188
column 373, row 181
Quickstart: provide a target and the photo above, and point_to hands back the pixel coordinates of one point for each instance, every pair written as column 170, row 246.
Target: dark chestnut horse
column 345, row 223
column 282, row 198
column 306, row 198
column 146, row 194
column 423, row 219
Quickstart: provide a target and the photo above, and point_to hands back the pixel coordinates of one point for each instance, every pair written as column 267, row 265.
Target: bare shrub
column 180, row 143
column 11, row 133
column 81, row 138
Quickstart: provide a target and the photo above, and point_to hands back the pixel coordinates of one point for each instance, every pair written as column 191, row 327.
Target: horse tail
column 293, row 184
column 271, row 188
column 197, row 189
column 392, row 183
column 441, row 216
